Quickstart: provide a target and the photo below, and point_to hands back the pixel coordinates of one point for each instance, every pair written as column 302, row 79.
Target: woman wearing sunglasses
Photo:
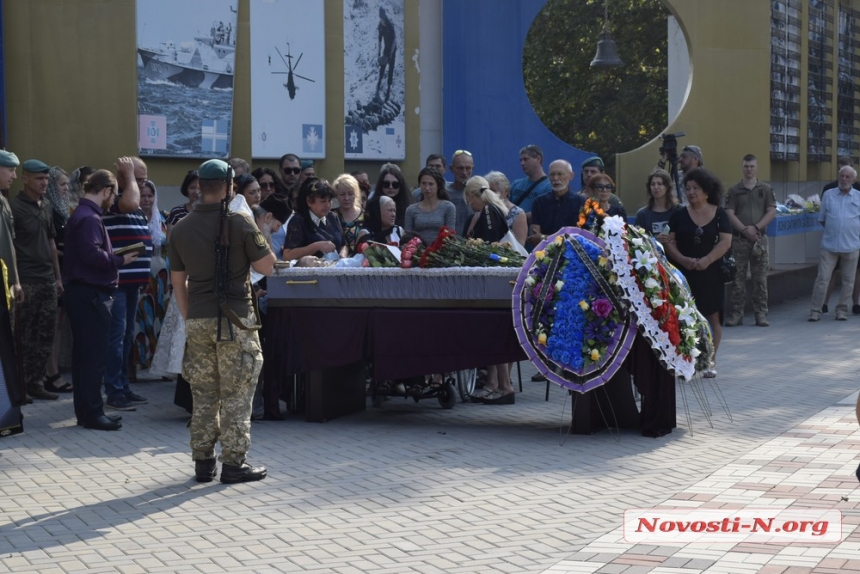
column 700, row 235
column 600, row 188
column 392, row 184
column 266, row 178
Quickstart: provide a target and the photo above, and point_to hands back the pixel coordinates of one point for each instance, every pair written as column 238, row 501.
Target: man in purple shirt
column 90, row 274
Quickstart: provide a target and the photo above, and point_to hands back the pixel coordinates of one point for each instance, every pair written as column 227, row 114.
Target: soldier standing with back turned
column 222, row 355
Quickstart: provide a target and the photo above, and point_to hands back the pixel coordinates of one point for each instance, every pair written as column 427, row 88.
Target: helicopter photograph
column 291, row 74
column 287, row 79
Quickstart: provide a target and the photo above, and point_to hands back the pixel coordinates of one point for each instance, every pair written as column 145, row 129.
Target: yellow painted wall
column 71, row 87
column 727, row 111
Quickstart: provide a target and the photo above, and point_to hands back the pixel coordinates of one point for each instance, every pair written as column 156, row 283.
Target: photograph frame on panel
column 186, row 61
column 374, row 80
column 288, row 87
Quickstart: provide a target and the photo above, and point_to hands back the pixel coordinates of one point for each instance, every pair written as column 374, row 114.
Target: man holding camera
column 690, row 159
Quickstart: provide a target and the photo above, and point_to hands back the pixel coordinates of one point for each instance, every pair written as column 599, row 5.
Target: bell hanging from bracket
column 607, row 55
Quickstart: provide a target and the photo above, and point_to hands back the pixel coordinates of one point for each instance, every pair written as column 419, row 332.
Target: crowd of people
column 92, row 253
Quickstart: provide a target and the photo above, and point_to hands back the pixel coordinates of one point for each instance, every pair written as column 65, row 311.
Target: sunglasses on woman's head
column 603, row 186
column 267, row 184
column 392, row 184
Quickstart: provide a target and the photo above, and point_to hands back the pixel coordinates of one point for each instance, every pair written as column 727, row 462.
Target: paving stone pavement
column 410, row 487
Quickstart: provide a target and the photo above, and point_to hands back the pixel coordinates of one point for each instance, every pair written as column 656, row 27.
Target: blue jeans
column 119, row 343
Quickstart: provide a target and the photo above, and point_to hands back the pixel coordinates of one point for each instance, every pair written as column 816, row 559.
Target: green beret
column 35, row 166
column 214, row 169
column 592, row 162
column 306, row 163
column 8, row 159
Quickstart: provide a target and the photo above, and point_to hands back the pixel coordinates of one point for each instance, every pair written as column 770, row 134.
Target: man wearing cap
column 223, row 371
column 14, row 383
column 536, row 183
column 751, row 206
column 591, row 167
column 690, row 159
column 126, row 225
column 39, row 275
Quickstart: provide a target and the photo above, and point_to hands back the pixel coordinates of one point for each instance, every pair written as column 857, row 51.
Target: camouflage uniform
column 35, row 327
column 749, row 205
column 35, row 317
column 222, row 374
column 755, row 255
column 223, row 377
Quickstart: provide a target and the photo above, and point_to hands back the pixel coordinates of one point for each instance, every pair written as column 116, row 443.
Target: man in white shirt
column 840, row 242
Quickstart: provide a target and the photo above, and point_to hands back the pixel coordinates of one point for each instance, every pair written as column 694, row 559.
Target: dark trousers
column 89, row 310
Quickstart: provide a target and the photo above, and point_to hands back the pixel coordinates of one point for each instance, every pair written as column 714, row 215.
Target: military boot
column 205, row 470
column 232, row 473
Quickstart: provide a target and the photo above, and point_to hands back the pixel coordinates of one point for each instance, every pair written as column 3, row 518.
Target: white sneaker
column 710, row 373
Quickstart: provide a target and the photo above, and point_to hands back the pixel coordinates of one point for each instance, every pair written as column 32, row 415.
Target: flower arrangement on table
column 659, row 299
column 377, row 255
column 452, row 250
column 411, row 253
column 568, row 312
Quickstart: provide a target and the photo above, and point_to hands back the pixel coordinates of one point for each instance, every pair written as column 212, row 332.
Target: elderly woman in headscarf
column 58, row 195
column 151, row 303
column 76, row 185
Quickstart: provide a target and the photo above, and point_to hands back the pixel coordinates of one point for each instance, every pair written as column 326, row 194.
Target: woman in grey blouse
column 434, row 211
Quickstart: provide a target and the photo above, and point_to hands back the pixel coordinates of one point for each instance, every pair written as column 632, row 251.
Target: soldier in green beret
column 223, row 357
column 39, row 275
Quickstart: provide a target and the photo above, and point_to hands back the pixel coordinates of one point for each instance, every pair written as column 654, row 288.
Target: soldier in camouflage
column 751, row 206
column 222, row 362
column 39, row 274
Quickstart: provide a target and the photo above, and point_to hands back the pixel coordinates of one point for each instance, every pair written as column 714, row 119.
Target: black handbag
column 728, row 267
column 728, row 264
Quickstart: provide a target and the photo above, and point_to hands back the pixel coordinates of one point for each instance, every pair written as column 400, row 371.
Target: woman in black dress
column 700, row 236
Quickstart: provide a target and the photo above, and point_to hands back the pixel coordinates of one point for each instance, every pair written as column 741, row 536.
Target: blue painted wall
column 486, row 108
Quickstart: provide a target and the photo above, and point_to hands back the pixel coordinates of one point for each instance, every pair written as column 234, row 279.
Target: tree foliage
column 607, row 110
